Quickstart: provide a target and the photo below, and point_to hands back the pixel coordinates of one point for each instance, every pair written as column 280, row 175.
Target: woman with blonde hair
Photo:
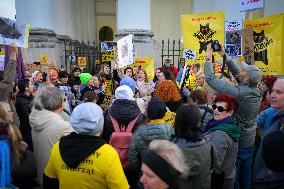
column 163, row 165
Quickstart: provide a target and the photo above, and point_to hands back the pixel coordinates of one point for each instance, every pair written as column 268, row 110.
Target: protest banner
column 12, row 31
column 233, row 37
column 147, row 64
column 200, row 29
column 108, row 51
column 189, row 54
column 82, row 61
column 125, row 55
column 2, row 59
column 251, row 4
column 248, row 45
column 268, row 43
column 43, row 59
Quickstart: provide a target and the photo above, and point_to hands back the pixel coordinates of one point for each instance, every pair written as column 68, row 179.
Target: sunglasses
column 219, row 108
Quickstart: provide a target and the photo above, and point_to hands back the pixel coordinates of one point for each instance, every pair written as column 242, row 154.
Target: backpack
column 121, row 139
column 5, row 168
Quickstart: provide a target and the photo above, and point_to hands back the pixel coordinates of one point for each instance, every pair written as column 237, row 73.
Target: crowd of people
column 187, row 128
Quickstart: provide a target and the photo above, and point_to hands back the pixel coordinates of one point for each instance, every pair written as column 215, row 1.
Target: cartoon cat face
column 204, row 29
column 258, row 37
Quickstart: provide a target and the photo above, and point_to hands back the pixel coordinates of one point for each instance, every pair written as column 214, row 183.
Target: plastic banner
column 268, row 43
column 147, row 64
column 200, row 29
column 233, row 37
column 125, row 55
column 12, row 31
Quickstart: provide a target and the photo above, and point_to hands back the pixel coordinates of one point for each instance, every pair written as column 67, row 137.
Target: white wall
column 8, row 9
column 273, row 6
column 133, row 14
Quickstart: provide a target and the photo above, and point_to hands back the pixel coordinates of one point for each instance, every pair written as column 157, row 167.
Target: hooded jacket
column 47, row 128
column 202, row 158
column 83, row 161
column 248, row 99
column 123, row 111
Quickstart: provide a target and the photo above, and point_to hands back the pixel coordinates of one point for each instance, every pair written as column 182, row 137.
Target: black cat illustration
column 8, row 31
column 204, row 30
column 260, row 55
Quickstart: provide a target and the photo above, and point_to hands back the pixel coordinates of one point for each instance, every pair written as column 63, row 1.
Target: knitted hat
column 124, row 92
column 253, row 72
column 156, row 108
column 129, row 82
column 35, row 73
column 85, row 78
column 87, row 118
column 76, row 69
column 273, row 155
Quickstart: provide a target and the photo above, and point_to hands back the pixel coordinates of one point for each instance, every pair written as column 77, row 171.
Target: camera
column 215, row 44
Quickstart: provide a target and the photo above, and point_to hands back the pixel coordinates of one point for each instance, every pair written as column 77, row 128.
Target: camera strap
column 223, row 66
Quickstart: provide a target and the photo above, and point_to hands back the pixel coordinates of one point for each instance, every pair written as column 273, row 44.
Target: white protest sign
column 189, row 54
column 12, row 31
column 2, row 58
column 251, row 4
column 125, row 55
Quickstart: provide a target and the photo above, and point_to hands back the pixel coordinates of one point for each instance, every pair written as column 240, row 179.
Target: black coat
column 123, row 111
column 24, row 105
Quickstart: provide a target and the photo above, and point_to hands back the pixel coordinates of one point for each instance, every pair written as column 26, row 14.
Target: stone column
column 133, row 17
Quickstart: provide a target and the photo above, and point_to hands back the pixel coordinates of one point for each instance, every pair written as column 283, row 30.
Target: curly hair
column 168, row 91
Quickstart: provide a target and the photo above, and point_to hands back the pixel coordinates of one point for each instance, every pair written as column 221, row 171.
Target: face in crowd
column 31, row 88
column 128, row 72
column 76, row 73
column 38, row 78
column 277, row 95
column 53, row 78
column 135, row 70
column 200, row 80
column 161, row 77
column 141, row 75
column 168, row 62
column 221, row 111
column 106, row 69
column 157, row 73
column 150, row 180
column 96, row 81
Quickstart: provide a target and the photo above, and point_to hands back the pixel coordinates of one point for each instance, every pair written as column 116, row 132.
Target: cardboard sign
column 125, row 55
column 12, row 31
column 251, row 4
column 248, row 45
column 43, row 59
column 147, row 64
column 108, row 50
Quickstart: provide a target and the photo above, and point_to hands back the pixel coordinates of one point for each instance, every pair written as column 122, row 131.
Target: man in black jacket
column 24, row 106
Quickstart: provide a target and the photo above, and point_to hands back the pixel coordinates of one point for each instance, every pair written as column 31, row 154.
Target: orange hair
column 168, row 91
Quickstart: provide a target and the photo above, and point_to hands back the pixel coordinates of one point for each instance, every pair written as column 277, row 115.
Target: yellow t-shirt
column 101, row 170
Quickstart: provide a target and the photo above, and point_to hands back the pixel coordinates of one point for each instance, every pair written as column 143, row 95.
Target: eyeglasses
column 219, row 108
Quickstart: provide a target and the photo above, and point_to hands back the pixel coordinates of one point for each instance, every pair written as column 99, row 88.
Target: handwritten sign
column 108, row 50
column 125, row 55
column 189, row 54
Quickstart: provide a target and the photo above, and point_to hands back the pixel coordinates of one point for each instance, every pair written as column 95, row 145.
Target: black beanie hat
column 156, row 108
column 273, row 154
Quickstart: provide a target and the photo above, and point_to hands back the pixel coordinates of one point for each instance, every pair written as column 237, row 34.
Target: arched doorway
column 106, row 34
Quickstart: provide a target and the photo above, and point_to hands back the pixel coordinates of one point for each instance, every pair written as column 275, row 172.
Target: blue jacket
column 264, row 118
column 260, row 171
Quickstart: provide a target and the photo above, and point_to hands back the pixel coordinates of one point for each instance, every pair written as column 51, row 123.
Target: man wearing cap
column 74, row 82
column 37, row 77
column 168, row 66
column 248, row 97
column 260, row 170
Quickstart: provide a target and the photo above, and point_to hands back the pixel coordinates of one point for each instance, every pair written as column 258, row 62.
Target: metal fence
column 171, row 49
column 75, row 49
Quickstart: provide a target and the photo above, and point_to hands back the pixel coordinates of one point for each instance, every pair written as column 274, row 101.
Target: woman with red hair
column 224, row 132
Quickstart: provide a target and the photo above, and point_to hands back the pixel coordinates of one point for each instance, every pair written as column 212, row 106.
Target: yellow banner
column 108, row 56
column 43, row 59
column 199, row 29
column 268, row 35
column 82, row 61
column 147, row 64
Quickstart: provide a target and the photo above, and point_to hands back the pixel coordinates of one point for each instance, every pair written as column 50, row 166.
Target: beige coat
column 47, row 129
